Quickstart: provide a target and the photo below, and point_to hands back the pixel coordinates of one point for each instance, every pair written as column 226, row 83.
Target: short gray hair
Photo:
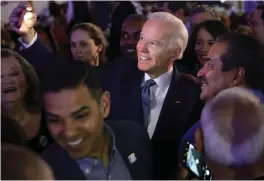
column 179, row 32
column 233, row 128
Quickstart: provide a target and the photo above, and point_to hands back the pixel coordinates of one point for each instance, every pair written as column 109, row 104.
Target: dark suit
column 181, row 109
column 127, row 142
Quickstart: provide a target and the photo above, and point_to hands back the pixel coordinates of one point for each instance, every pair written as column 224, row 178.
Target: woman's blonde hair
column 32, row 99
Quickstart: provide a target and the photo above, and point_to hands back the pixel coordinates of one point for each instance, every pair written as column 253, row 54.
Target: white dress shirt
column 25, row 46
column 158, row 93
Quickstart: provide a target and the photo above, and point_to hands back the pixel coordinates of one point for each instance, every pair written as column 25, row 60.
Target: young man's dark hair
column 71, row 74
column 246, row 52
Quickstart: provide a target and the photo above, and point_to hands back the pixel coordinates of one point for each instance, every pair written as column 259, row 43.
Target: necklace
column 17, row 119
column 24, row 121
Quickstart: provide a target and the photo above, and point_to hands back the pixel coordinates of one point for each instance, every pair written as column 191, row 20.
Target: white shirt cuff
column 30, row 44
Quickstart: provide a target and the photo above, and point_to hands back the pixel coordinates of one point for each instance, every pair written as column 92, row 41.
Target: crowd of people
column 169, row 94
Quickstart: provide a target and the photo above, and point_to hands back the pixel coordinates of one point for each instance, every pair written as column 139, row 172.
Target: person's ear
column 239, row 76
column 105, row 103
column 175, row 54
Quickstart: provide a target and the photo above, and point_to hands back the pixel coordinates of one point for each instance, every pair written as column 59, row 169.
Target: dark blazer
column 181, row 109
column 130, row 138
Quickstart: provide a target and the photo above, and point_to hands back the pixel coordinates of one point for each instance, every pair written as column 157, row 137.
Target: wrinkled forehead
column 216, row 51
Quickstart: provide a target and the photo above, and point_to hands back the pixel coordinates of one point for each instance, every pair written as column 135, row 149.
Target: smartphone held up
column 194, row 162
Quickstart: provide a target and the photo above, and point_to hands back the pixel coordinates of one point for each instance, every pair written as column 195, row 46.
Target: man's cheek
column 54, row 129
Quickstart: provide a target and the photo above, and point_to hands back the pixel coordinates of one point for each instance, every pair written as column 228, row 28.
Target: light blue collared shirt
column 94, row 169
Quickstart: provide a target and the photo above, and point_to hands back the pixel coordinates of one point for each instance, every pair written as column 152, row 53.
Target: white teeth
column 74, row 143
column 144, row 58
column 130, row 50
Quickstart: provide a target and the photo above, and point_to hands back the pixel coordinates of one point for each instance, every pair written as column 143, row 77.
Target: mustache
column 197, row 80
column 202, row 80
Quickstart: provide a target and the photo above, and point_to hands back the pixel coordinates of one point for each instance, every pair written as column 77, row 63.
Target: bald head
column 19, row 163
column 233, row 128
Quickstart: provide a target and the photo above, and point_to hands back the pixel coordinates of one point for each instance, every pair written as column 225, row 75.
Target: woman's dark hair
column 122, row 11
column 214, row 27
column 96, row 34
column 32, row 99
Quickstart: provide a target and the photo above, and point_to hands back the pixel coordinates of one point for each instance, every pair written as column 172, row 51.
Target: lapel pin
column 177, row 102
column 132, row 158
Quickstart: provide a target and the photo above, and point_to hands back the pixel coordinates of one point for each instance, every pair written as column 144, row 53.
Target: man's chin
column 143, row 67
column 204, row 96
column 77, row 155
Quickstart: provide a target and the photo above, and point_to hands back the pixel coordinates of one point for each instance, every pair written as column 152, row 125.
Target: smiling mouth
column 131, row 50
column 202, row 81
column 145, row 58
column 9, row 90
column 203, row 57
column 76, row 142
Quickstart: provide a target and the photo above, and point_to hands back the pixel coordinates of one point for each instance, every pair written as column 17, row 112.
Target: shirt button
column 95, row 162
column 87, row 171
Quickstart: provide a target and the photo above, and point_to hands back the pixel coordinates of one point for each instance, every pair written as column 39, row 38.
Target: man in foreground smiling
column 87, row 147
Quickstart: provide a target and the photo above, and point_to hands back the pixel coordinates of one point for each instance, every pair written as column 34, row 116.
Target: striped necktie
column 145, row 98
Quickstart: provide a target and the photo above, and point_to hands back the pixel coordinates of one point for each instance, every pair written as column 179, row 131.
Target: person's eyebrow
column 83, row 108
column 51, row 114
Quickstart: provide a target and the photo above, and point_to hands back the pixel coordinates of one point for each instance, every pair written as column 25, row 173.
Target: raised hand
column 22, row 21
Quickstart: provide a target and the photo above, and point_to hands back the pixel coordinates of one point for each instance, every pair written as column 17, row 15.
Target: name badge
column 132, row 158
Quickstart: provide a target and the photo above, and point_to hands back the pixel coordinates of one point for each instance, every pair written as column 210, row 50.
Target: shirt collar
column 112, row 148
column 163, row 81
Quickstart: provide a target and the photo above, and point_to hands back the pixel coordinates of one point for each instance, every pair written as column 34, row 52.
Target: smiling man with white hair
column 156, row 95
column 233, row 131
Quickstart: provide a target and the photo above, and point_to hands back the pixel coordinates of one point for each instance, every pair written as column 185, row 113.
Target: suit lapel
column 133, row 100
column 172, row 102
